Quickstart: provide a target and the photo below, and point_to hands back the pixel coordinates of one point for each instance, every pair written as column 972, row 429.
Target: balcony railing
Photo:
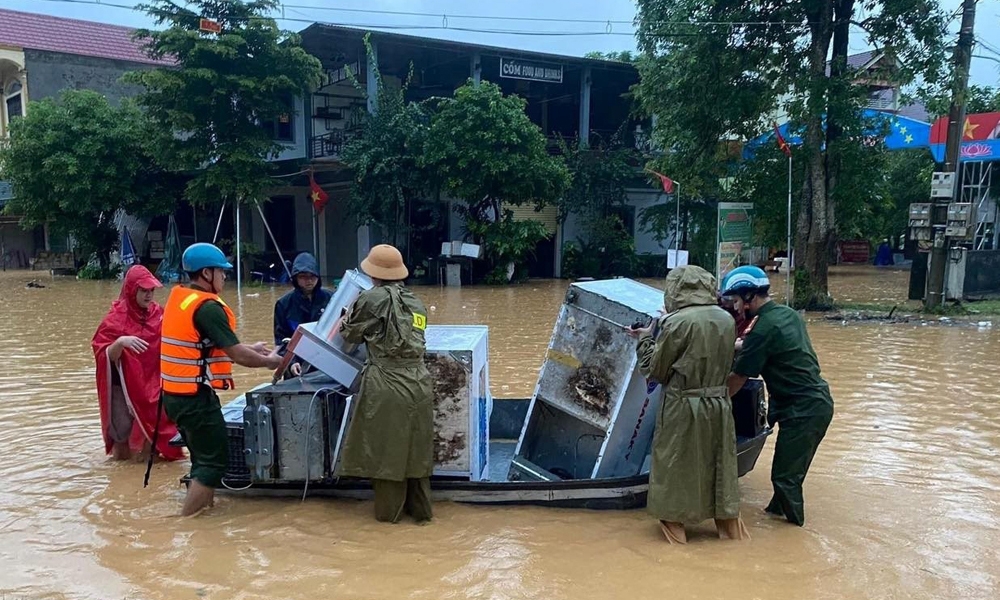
column 882, row 104
column 640, row 140
column 330, row 145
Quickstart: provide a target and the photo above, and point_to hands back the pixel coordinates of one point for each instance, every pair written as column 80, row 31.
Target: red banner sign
column 855, row 251
column 209, row 26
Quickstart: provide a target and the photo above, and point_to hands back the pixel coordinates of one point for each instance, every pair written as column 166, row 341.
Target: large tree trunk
column 839, row 91
column 815, row 225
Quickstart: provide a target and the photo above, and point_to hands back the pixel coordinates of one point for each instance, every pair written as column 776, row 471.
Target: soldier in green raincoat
column 693, row 476
column 391, row 436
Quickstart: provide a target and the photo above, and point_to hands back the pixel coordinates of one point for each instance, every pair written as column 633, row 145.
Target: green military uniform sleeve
column 753, row 356
column 362, row 321
column 211, row 322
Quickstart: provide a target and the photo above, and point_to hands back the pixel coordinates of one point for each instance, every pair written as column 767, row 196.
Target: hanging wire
column 608, row 23
column 302, row 172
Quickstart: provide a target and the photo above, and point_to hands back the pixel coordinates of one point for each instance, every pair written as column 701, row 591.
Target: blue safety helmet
column 743, row 280
column 203, row 256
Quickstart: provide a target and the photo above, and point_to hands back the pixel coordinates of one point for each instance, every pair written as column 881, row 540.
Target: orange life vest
column 187, row 360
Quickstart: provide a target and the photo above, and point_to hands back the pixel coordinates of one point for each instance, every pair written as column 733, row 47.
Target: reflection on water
column 903, row 500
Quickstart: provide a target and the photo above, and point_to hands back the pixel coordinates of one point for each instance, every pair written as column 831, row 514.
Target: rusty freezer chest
column 592, row 413
column 457, row 358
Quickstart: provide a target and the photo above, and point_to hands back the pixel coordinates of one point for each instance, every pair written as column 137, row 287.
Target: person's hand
column 637, row 332
column 739, row 344
column 133, row 343
column 296, row 369
column 260, row 348
column 273, row 360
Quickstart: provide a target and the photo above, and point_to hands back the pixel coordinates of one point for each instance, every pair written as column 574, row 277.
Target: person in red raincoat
column 127, row 352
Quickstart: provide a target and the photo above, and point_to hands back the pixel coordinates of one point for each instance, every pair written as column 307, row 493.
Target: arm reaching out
column 253, row 356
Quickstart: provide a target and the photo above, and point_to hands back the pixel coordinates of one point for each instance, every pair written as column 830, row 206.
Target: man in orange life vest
column 196, row 358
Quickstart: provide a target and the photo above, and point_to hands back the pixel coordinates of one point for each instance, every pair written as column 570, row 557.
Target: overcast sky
column 613, row 15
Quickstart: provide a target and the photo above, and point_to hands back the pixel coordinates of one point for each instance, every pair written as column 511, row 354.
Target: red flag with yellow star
column 977, row 127
column 317, row 194
column 980, row 137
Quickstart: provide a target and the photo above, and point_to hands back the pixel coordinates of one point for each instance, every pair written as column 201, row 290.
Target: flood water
column 903, row 499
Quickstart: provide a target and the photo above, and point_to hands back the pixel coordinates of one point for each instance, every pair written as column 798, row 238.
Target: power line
column 446, row 26
column 608, row 23
column 381, row 26
column 987, row 46
column 543, row 19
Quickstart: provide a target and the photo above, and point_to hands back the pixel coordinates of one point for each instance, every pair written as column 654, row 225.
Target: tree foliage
column 862, row 194
column 506, row 243
column 907, row 181
column 484, row 149
column 597, row 194
column 210, row 106
column 75, row 161
column 979, row 99
column 625, row 56
column 599, row 175
column 390, row 178
column 709, row 83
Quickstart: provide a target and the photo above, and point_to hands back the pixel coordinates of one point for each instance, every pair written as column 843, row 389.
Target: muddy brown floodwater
column 903, row 500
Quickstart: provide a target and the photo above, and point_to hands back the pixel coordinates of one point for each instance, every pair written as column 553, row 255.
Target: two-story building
column 566, row 96
column 40, row 56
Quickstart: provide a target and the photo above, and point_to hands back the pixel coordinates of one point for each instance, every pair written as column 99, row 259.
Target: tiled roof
column 71, row 36
column 916, row 110
column 856, row 61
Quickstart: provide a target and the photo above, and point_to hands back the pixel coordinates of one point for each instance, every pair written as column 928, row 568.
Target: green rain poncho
column 391, row 436
column 693, row 476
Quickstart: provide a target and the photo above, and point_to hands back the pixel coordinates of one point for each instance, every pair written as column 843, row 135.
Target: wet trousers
column 797, row 442
column 393, row 498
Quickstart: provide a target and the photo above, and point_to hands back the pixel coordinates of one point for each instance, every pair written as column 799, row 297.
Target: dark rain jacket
column 391, row 435
column 294, row 308
column 693, row 474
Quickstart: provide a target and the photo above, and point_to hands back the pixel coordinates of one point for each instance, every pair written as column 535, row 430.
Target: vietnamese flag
column 782, row 144
column 977, row 127
column 317, row 194
column 668, row 183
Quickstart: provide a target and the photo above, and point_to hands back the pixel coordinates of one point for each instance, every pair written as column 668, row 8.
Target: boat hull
column 621, row 493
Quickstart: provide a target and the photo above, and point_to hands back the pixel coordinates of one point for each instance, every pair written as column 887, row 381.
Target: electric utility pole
column 962, row 57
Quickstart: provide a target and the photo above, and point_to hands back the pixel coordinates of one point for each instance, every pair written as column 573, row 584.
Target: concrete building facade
column 40, row 56
column 568, row 97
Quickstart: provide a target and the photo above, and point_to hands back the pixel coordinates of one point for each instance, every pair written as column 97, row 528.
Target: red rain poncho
column 139, row 373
